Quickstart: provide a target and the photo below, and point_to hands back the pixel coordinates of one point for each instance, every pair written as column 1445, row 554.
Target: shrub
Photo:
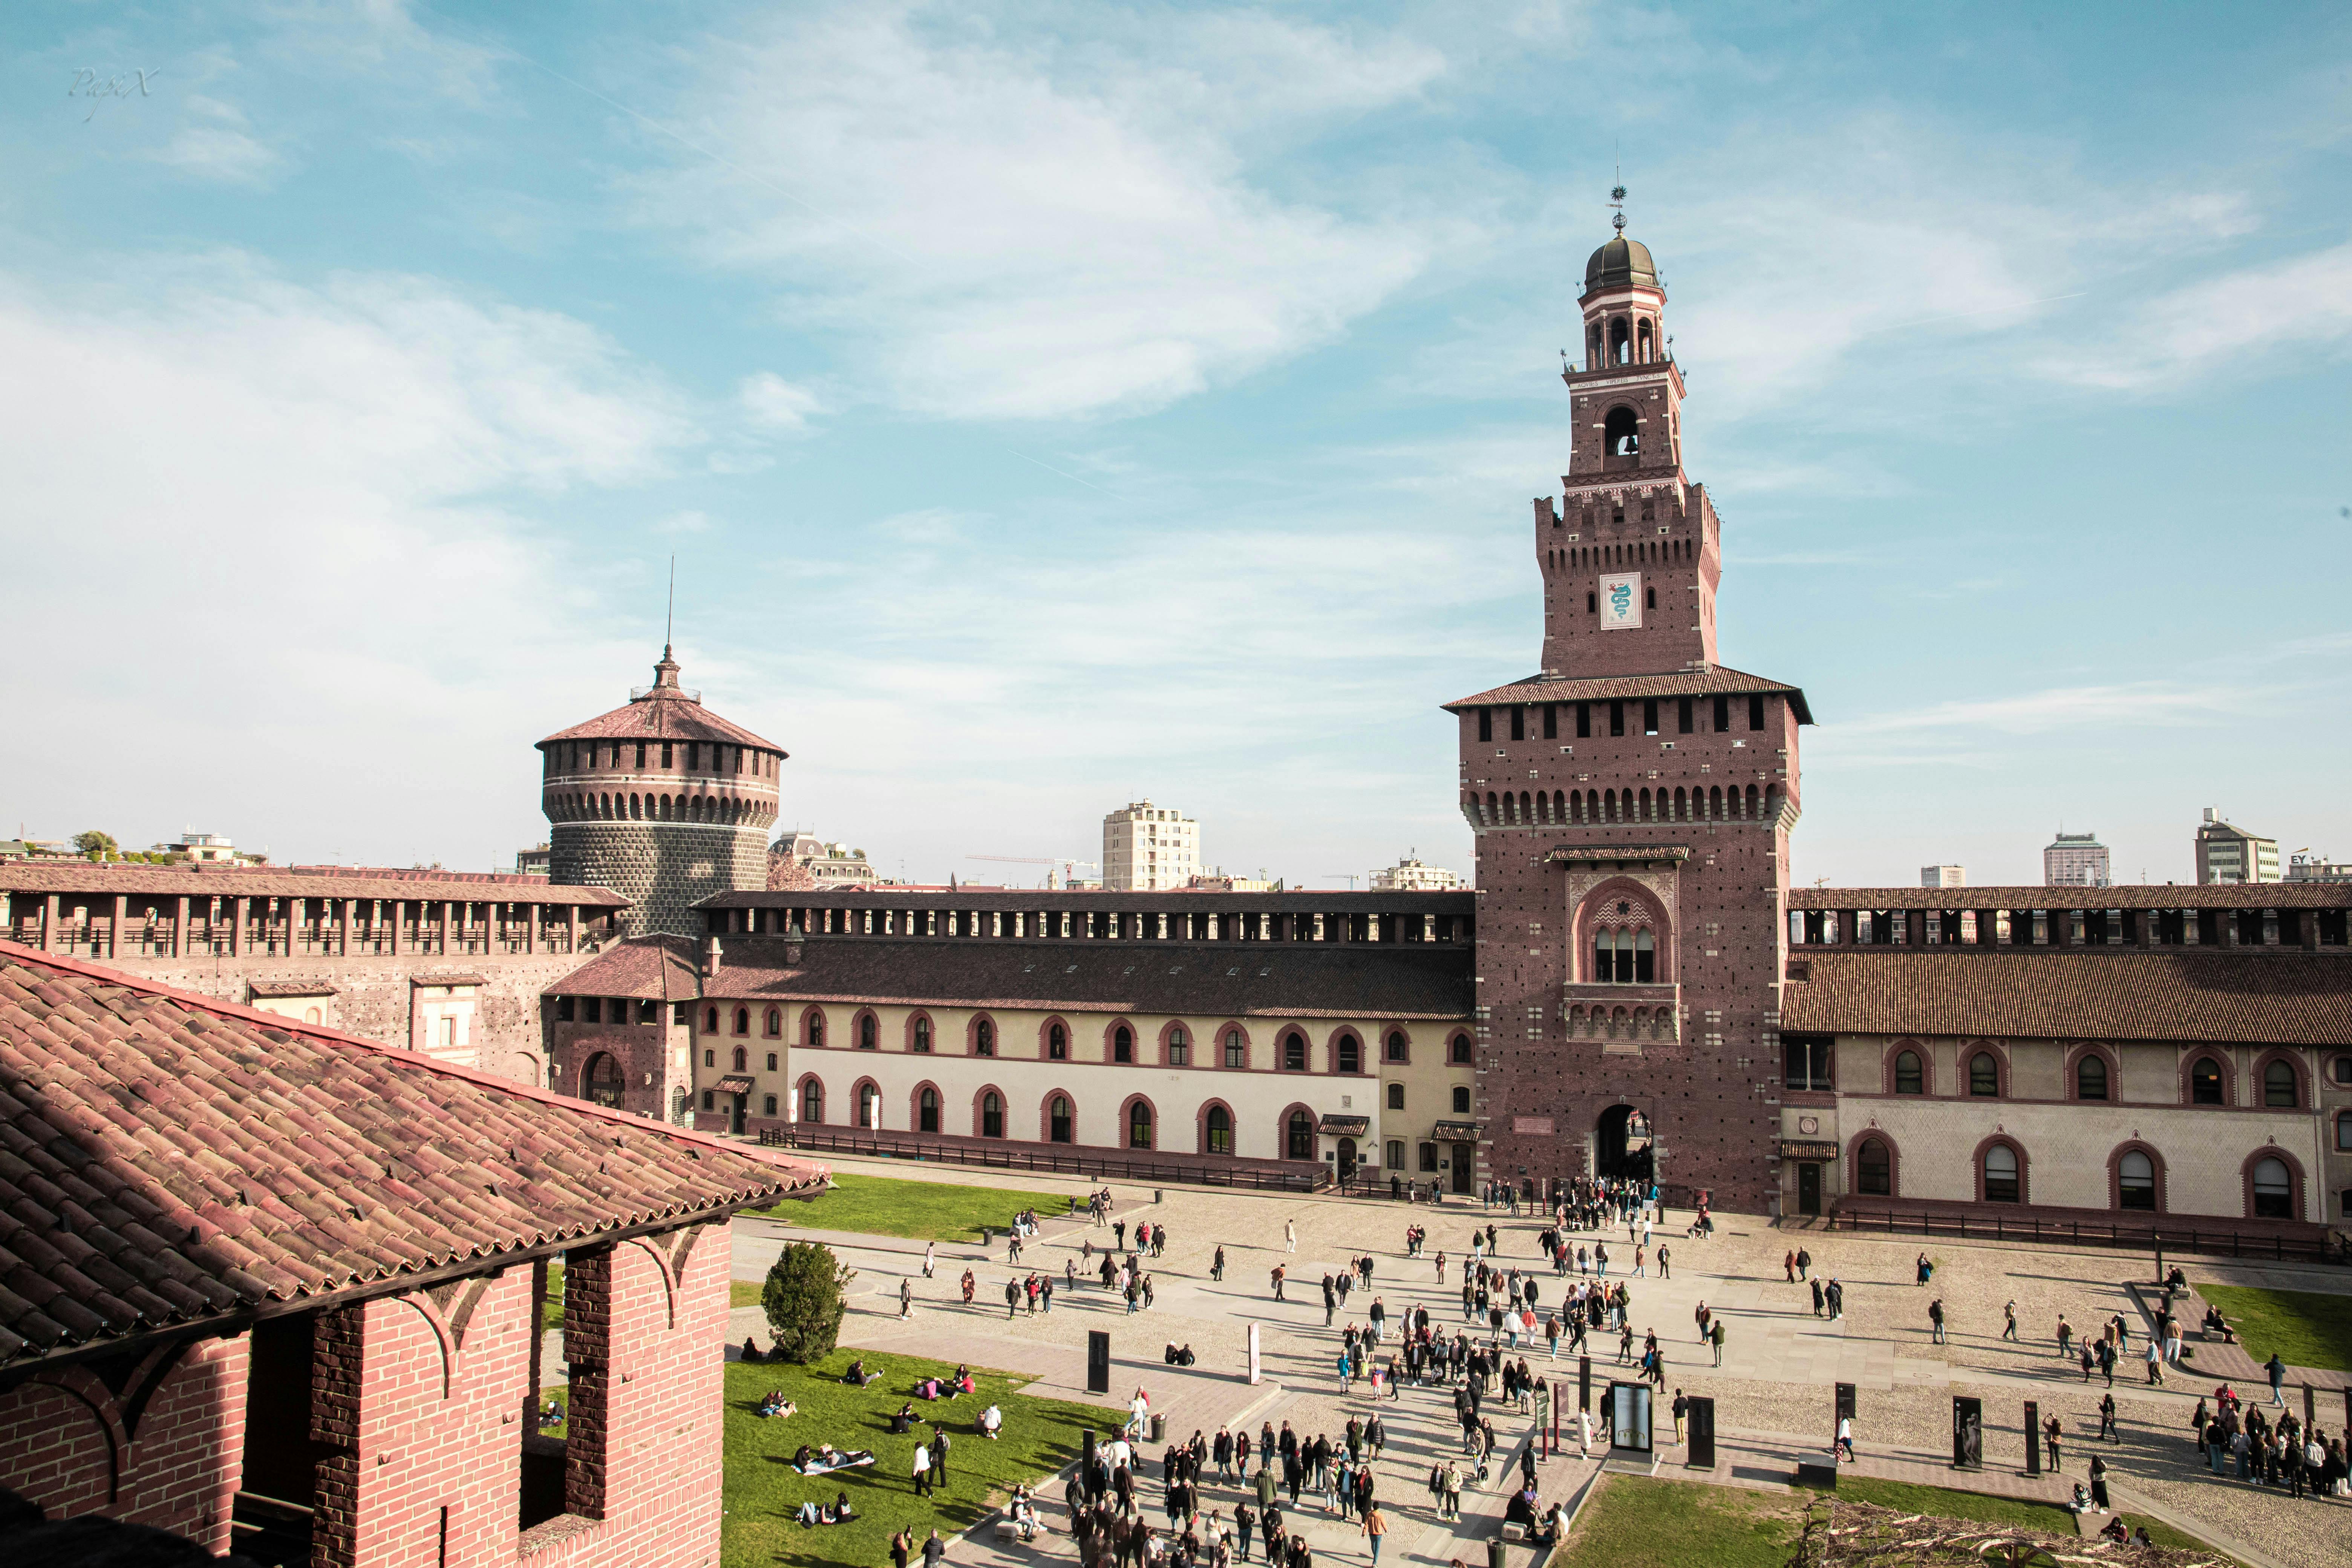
column 804, row 1301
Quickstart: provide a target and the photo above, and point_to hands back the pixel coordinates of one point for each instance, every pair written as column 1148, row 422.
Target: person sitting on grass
column 991, row 1423
column 857, row 1376
column 904, row 1420
column 963, row 1382
column 773, row 1402
column 842, row 1512
column 928, row 1388
column 750, row 1352
column 2116, row 1529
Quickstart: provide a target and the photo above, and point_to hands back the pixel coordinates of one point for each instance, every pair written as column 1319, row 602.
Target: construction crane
column 1047, row 860
column 1347, row 876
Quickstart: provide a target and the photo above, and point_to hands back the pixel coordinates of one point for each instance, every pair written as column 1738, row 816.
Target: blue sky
column 1053, row 405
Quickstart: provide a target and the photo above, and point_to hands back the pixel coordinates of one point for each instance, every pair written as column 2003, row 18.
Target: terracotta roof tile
column 664, row 714
column 1715, row 680
column 650, row 968
column 166, row 1157
column 1359, row 980
column 2278, row 998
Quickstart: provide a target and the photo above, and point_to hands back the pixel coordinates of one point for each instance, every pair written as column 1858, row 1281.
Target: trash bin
column 1157, row 1194
column 1158, row 1428
column 1495, row 1552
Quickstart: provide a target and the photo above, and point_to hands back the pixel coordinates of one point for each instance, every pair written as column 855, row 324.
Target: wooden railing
column 1990, row 1225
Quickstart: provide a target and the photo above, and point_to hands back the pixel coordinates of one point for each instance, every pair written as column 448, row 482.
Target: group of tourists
column 2280, row 1453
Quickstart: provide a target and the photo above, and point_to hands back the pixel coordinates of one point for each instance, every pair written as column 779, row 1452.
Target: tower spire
column 669, row 611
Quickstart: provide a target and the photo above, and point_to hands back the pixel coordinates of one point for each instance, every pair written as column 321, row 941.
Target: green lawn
column 764, row 1490
column 2307, row 1327
column 744, row 1292
column 550, row 1309
column 1632, row 1519
column 920, row 1211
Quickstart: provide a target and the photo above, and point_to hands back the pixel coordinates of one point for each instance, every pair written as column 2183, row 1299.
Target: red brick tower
column 1632, row 801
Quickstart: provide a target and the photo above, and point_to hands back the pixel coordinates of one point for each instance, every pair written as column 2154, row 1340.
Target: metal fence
column 1995, row 1225
column 1094, row 1167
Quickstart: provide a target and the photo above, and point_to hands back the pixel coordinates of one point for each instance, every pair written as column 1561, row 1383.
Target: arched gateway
column 1621, row 1146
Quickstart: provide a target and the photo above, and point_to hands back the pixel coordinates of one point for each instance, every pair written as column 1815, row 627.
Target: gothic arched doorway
column 1347, row 1158
column 1621, row 1145
column 603, row 1081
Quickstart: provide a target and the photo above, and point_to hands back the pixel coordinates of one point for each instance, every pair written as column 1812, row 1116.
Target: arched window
column 869, row 1105
column 2136, row 1180
column 738, row 1059
column 1293, row 1052
column 743, row 1020
column 1057, row 1120
column 1984, row 1075
column 983, row 1041
column 1138, row 1125
column 1874, row 1168
column 1237, row 1049
column 1908, row 1078
column 1299, row 1140
column 1352, row 1054
column 927, row 1111
column 710, row 1020
column 1461, row 1099
column 604, row 1082
column 1179, row 1046
column 1220, row 1128
column 2091, row 1078
column 1396, row 1047
column 2273, row 1191
column 1645, row 961
column 1396, row 1097
column 992, row 1115
column 2000, row 1184
column 1057, row 1042
column 2205, row 1082
column 868, row 1037
column 812, row 1101
column 1459, row 1051
column 1620, row 434
column 816, row 1029
column 922, row 1036
column 1122, row 1044
column 771, row 1061
column 775, row 1023
column 2279, row 1087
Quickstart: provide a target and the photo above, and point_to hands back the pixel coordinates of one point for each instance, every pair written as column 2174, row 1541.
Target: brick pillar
column 2306, row 925
column 396, row 906
column 343, row 908
column 588, row 1348
column 180, row 930
column 337, row 1374
column 444, row 926
column 573, row 910
column 530, row 931
column 240, row 934
column 114, row 931
column 50, row 923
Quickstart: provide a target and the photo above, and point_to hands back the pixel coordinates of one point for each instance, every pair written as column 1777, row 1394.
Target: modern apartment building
column 2228, row 854
column 2073, row 860
column 1943, row 875
column 1409, row 876
column 1149, row 848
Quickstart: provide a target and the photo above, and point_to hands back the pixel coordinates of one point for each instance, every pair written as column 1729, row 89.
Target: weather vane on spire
column 1617, row 203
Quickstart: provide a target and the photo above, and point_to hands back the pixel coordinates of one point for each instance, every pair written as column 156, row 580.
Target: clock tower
column 1632, row 801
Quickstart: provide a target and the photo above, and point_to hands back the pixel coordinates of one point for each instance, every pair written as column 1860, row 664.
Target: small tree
column 805, row 1299
column 96, row 844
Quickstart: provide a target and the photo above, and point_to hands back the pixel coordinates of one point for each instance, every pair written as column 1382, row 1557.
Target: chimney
column 710, row 957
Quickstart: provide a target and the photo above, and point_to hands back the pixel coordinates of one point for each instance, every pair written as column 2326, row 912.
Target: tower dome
column 660, row 800
column 1620, row 263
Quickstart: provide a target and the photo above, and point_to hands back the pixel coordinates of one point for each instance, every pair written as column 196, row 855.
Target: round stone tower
column 660, row 800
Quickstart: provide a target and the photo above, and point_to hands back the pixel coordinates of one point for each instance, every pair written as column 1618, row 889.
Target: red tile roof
column 2138, row 896
column 166, row 1158
column 1419, row 981
column 88, row 878
column 2257, row 998
column 1713, row 681
column 652, row 968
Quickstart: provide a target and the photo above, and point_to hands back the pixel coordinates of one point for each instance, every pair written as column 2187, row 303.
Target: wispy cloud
column 214, row 141
column 1042, row 228
column 774, row 404
column 2064, row 707
column 2242, row 318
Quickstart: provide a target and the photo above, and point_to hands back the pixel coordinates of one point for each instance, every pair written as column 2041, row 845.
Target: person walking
column 1935, row 1319
column 2277, row 1370
column 907, row 1296
column 1716, row 1333
column 922, row 1478
column 1277, row 1281
column 1845, row 1439
column 2008, row 1321
column 1681, row 1409
column 2099, row 1484
column 933, row 1550
column 1817, row 1298
column 1289, row 1237
column 930, row 1257
column 2051, row 1430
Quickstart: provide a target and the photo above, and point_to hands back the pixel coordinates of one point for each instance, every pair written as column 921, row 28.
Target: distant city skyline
column 1152, row 399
